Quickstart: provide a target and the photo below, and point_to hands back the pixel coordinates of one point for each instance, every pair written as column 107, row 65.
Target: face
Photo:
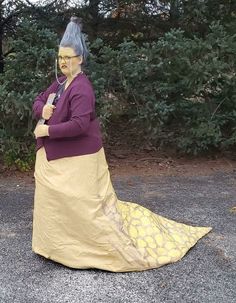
column 69, row 65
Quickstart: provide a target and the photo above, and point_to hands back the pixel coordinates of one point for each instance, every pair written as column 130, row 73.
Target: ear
column 80, row 59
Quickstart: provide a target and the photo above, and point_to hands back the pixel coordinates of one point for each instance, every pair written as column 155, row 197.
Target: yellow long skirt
column 78, row 220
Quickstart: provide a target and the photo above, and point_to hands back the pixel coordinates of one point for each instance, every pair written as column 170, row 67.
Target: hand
column 48, row 111
column 41, row 131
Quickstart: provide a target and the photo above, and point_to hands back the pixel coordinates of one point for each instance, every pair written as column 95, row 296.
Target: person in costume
column 78, row 220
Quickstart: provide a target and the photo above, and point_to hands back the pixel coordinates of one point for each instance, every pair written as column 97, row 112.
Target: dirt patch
column 143, row 163
column 126, row 157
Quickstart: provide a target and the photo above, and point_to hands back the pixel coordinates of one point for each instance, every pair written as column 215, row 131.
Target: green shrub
column 28, row 69
column 179, row 92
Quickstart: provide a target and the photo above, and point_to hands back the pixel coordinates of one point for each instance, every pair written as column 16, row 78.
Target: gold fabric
column 78, row 220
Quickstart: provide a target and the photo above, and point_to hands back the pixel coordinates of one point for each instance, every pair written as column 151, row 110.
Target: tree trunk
column 174, row 10
column 94, row 8
column 1, row 38
column 94, row 14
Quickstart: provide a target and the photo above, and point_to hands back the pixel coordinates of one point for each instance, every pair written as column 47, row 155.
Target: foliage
column 169, row 69
column 27, row 70
column 18, row 154
column 179, row 90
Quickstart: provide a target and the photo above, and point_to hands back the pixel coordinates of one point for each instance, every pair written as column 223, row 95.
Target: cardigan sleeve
column 81, row 107
column 41, row 100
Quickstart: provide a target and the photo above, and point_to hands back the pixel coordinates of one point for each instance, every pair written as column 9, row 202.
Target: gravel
column 207, row 273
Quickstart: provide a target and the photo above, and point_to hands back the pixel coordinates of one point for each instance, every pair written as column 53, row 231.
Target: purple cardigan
column 73, row 128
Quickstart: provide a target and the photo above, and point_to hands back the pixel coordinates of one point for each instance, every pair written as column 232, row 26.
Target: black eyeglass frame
column 66, row 58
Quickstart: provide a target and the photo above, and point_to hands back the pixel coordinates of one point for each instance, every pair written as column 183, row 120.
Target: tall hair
column 74, row 38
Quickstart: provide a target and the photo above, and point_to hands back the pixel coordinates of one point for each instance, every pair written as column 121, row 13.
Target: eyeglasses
column 66, row 58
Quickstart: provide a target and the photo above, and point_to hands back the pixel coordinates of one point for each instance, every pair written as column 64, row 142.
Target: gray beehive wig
column 74, row 38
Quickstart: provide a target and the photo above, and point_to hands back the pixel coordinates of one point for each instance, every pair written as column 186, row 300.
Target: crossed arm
column 81, row 107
